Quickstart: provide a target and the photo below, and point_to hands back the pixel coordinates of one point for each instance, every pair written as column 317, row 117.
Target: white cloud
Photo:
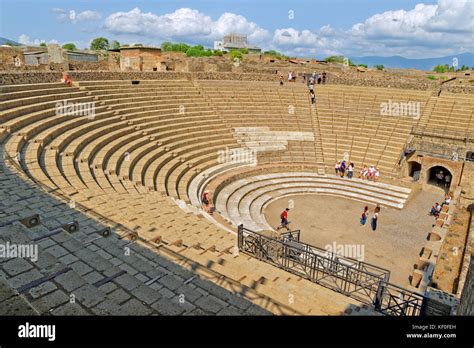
column 425, row 30
column 25, row 40
column 184, row 23
column 74, row 17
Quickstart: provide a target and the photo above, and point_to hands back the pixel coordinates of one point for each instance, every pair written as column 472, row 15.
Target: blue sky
column 414, row 29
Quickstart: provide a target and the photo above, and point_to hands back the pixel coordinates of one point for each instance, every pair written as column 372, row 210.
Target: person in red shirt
column 284, row 219
column 67, row 80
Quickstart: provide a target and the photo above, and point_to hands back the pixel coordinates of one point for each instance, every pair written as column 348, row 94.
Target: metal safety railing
column 365, row 282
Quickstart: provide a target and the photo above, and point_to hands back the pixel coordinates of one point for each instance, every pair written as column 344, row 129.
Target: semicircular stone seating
column 243, row 201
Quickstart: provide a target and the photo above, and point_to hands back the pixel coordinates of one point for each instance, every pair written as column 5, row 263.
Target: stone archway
column 440, row 176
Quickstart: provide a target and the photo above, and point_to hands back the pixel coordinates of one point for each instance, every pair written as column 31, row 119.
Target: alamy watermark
column 23, row 251
column 66, row 108
column 408, row 109
column 237, row 156
column 354, row 251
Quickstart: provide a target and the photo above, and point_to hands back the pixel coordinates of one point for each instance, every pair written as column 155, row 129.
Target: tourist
column 447, row 199
column 67, row 79
column 311, row 86
column 439, row 177
column 447, row 181
column 324, row 77
column 434, row 210
column 336, row 168
column 304, row 76
column 365, row 215
column 206, row 202
column 281, row 79
column 371, row 173
column 350, row 170
column 284, row 219
column 342, row 169
column 311, row 93
column 363, row 173
column 290, row 76
column 374, row 220
column 294, row 76
column 376, row 175
column 318, row 78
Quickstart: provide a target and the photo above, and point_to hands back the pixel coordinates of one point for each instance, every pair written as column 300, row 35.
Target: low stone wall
column 8, row 78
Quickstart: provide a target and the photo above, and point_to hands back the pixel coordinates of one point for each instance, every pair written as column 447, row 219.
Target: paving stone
column 141, row 277
column 57, row 250
column 166, row 292
column 108, row 287
column 209, row 304
column 69, row 309
column 68, row 259
column 52, row 300
column 127, row 282
column 256, row 310
column 93, row 277
column 130, row 270
column 230, row 311
column 156, row 286
column 104, row 254
column 46, row 243
column 88, row 295
column 239, row 302
column 42, row 289
column 62, row 237
column 73, row 245
column 115, row 261
column 189, row 293
column 6, row 291
column 119, row 296
column 167, row 307
column 171, row 282
column 24, row 278
column 146, row 294
column 70, row 281
column 134, row 307
column 16, row 305
column 16, row 266
column 46, row 260
column 80, row 268
column 108, row 307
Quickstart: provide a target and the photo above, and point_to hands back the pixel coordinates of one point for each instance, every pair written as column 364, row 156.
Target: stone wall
column 7, row 78
column 466, row 306
column 467, row 184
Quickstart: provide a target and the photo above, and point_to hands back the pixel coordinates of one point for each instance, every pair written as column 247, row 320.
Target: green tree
column 236, row 54
column 166, row 46
column 43, row 44
column 363, row 65
column 115, row 45
column 70, row 47
column 379, row 66
column 100, row 44
column 218, row 53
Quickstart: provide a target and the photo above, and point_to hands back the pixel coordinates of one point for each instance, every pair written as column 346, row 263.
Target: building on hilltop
column 235, row 42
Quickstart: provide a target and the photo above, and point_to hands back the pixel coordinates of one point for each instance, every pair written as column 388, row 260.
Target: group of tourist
column 342, row 168
column 373, row 220
column 371, row 174
column 436, row 208
column 442, row 179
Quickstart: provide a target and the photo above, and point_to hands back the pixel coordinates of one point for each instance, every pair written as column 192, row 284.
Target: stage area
column 395, row 245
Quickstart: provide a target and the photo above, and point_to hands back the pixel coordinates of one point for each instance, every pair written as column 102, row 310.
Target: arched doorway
column 414, row 170
column 440, row 176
